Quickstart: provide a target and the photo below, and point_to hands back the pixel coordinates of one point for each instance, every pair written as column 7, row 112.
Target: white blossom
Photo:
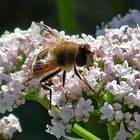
column 58, row 129
column 137, row 121
column 118, row 116
column 119, row 90
column 107, row 112
column 117, row 106
column 67, row 113
column 127, row 116
column 131, row 19
column 8, row 126
column 82, row 109
column 122, row 134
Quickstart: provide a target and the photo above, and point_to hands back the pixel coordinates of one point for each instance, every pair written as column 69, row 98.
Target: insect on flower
column 61, row 56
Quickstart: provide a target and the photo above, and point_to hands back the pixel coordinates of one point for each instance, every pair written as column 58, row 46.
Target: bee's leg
column 64, row 77
column 44, row 84
column 46, row 87
column 81, row 78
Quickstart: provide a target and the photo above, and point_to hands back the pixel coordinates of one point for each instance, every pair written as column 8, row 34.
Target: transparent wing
column 41, row 69
column 49, row 32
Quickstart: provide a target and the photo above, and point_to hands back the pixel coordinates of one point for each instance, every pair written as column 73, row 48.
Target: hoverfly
column 61, row 56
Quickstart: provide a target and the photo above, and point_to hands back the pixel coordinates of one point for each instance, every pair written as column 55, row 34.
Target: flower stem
column 112, row 129
column 136, row 136
column 42, row 100
column 84, row 133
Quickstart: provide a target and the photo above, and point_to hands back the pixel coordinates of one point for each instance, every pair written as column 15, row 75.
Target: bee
column 63, row 55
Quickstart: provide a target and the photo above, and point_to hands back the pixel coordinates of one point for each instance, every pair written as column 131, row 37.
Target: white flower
column 119, row 90
column 58, row 129
column 131, row 127
column 9, row 125
column 133, row 99
column 129, row 99
column 127, row 116
column 108, row 71
column 66, row 113
column 74, row 88
column 122, row 134
column 61, row 121
column 82, row 109
column 92, row 76
column 14, row 49
column 131, row 19
column 137, row 121
column 118, row 116
column 117, row 106
column 107, row 112
column 122, row 71
column 10, row 96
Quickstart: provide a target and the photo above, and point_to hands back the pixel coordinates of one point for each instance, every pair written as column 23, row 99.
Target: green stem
column 67, row 15
column 136, row 136
column 36, row 97
column 112, row 129
column 84, row 133
column 44, row 102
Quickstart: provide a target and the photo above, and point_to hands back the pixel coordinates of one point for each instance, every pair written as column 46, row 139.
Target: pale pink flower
column 8, row 126
column 122, row 134
column 107, row 112
column 82, row 109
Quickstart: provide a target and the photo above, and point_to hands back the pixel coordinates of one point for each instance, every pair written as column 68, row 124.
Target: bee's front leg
column 63, row 83
column 81, row 78
column 64, row 77
column 44, row 85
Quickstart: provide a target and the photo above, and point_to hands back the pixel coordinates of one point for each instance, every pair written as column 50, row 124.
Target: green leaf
column 108, row 97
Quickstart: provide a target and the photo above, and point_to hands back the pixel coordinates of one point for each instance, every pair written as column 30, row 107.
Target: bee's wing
column 42, row 54
column 41, row 69
column 49, row 32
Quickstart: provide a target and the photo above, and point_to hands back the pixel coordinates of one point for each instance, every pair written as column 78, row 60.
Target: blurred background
column 72, row 16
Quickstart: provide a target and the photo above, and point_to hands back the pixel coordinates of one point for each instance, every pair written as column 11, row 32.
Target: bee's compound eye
column 81, row 57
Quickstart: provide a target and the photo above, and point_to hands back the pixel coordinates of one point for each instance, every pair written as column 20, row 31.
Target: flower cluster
column 114, row 78
column 131, row 19
column 8, row 126
column 115, row 73
column 62, row 121
column 118, row 54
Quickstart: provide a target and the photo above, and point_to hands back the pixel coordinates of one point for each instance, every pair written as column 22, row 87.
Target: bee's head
column 84, row 56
